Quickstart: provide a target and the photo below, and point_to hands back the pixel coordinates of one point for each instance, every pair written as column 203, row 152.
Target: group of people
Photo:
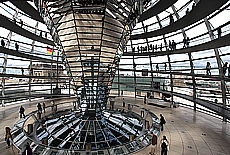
column 164, row 143
column 225, row 68
column 3, row 44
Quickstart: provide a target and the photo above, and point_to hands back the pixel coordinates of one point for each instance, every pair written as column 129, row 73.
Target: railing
column 21, row 133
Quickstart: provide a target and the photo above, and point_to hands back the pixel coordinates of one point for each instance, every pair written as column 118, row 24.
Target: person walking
column 39, row 106
column 225, row 68
column 157, row 68
column 145, row 99
column 162, row 122
column 44, row 107
column 164, row 145
column 22, row 111
column 22, row 70
column 219, row 32
column 208, row 68
column 3, row 43
column 7, row 136
column 173, row 45
column 16, row 46
column 229, row 71
column 171, row 19
column 185, row 43
column 123, row 102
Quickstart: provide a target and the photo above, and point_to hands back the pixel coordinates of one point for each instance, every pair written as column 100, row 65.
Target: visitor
column 156, row 48
column 187, row 42
column 161, row 47
column 171, row 19
column 187, row 11
column 145, row 99
column 92, row 48
column 157, row 68
column 40, row 34
column 229, row 71
column 162, row 122
column 225, row 67
column 39, row 106
column 7, row 136
column 44, row 107
column 208, row 68
column 123, row 102
column 3, row 43
column 22, row 112
column 219, row 32
column 173, row 45
column 22, row 70
column 193, row 5
column 164, row 145
column 170, row 45
column 16, row 46
column 165, row 66
column 21, row 22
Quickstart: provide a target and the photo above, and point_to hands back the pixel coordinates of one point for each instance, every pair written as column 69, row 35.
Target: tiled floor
column 189, row 132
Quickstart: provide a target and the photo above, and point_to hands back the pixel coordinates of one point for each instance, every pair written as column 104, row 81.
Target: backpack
column 163, row 145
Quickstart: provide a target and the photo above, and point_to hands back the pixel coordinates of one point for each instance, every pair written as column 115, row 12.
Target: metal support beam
column 219, row 63
column 169, row 61
column 31, row 63
column 190, row 60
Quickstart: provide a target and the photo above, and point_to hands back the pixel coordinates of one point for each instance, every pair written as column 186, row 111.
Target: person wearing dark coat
column 3, row 43
column 162, row 122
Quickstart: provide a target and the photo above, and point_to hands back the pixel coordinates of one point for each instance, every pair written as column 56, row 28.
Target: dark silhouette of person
column 123, row 102
column 21, row 22
column 170, row 45
column 39, row 106
column 229, row 71
column 162, row 122
column 22, row 71
column 157, row 68
column 3, row 43
column 225, row 68
column 173, row 45
column 7, row 136
column 171, row 19
column 16, row 46
column 219, row 32
column 208, row 68
column 164, row 145
column 22, row 112
column 44, row 107
column 187, row 11
column 92, row 48
column 41, row 34
column 161, row 47
column 165, row 66
column 187, row 41
column 145, row 99
column 193, row 5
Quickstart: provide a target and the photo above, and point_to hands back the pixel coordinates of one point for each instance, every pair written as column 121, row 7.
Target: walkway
column 193, row 16
column 189, row 132
column 156, row 9
column 7, row 24
column 28, row 9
